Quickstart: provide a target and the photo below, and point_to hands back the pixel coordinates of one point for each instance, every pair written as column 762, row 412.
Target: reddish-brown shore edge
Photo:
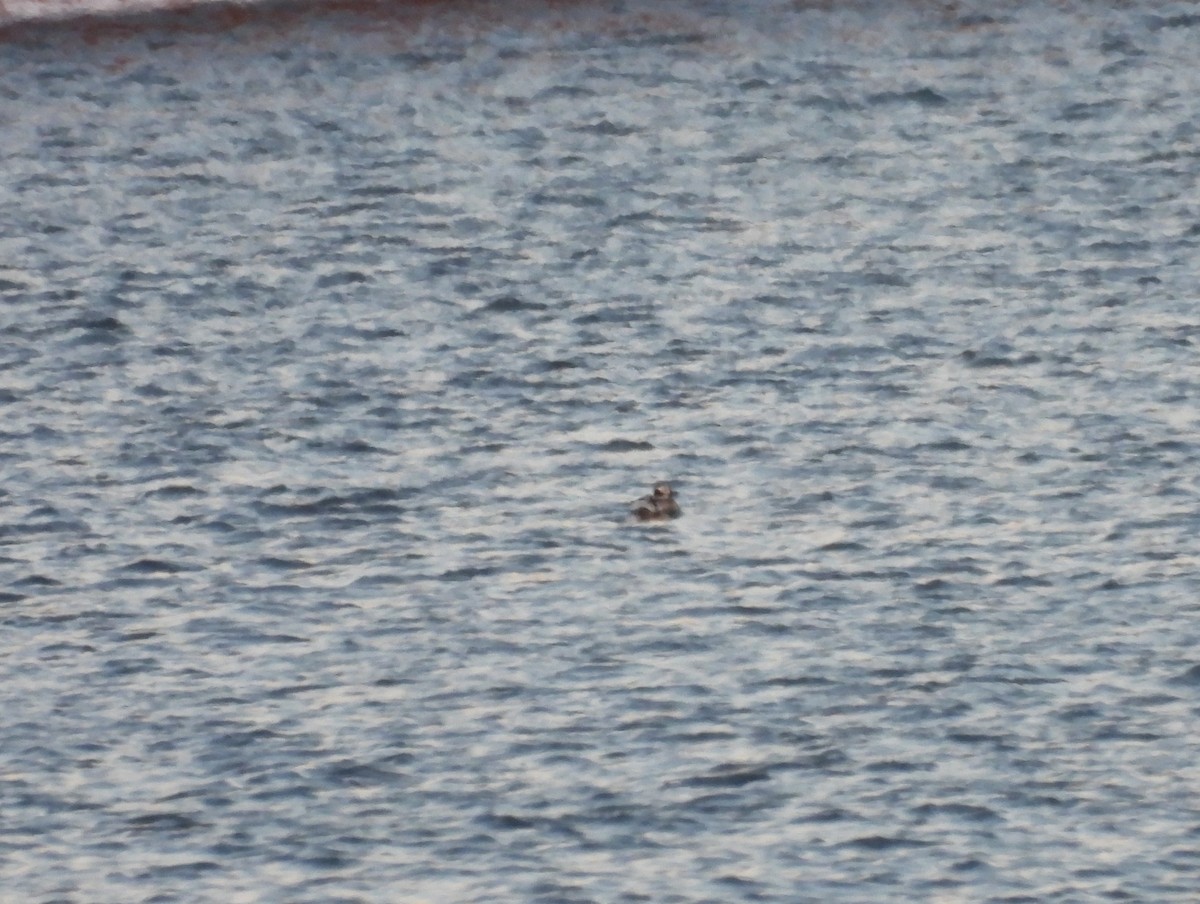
column 207, row 17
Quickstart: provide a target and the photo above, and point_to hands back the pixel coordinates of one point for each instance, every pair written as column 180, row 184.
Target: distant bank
column 42, row 10
column 98, row 17
column 37, row 22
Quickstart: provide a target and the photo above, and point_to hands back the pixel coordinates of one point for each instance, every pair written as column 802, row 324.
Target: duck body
column 660, row 505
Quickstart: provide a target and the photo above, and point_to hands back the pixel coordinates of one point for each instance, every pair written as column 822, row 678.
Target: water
column 335, row 346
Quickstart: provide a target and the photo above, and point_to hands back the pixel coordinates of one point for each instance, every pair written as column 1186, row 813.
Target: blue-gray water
column 332, row 355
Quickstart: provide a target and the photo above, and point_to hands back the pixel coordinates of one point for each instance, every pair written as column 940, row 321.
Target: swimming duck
column 660, row 505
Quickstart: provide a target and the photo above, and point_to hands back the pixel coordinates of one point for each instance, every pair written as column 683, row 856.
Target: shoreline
column 195, row 16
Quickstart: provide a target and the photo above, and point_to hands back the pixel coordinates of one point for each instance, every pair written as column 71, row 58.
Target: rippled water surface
column 335, row 346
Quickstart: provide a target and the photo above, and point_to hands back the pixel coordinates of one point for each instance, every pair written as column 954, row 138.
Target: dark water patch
column 175, row 491
column 944, row 445
column 565, row 92
column 124, row 668
column 393, row 580
column 999, row 742
column 843, row 546
column 1143, row 701
column 154, row 566
column 606, row 128
column 1125, row 247
column 966, row 812
column 508, row 304
column 58, row 650
column 159, row 823
column 195, row 869
column 937, row 588
column 831, row 759
column 899, row 766
column 343, row 278
column 136, row 636
column 1190, row 677
column 882, row 843
column 374, row 502
column 727, row 776
column 625, row 445
column 1084, row 111
column 468, row 573
column 1115, row 733
column 32, row 528
column 506, row 822
column 1023, row 580
column 99, row 330
column 9, row 285
column 347, row 773
column 278, row 563
column 699, row 737
column 798, row 681
column 735, row 806
column 829, row 815
column 924, row 97
column 37, row 580
column 983, row 359
column 556, row 365
column 578, row 200
column 1180, row 20
column 355, row 447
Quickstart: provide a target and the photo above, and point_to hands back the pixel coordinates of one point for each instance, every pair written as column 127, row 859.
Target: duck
column 660, row 505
